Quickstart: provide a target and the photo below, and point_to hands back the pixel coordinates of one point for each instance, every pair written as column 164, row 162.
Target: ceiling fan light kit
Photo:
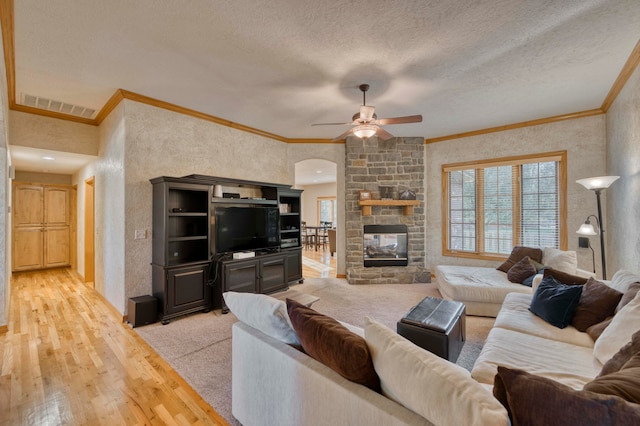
column 364, row 131
column 366, row 121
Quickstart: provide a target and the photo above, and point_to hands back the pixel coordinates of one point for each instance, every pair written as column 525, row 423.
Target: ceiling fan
column 366, row 121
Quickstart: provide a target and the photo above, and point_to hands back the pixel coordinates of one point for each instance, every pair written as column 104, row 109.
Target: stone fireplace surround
column 371, row 163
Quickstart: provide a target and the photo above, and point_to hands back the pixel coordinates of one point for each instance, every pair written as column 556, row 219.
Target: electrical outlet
column 140, row 234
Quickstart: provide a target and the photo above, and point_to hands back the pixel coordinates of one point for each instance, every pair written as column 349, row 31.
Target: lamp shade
column 364, row 131
column 598, row 182
column 586, row 229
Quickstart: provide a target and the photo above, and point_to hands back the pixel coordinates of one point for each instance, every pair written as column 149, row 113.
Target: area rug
column 198, row 346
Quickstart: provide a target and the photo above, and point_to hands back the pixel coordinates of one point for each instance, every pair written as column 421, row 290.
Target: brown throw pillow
column 517, row 254
column 596, row 330
column 622, row 356
column 521, row 270
column 597, row 303
column 624, row 383
column 331, row 343
column 565, row 278
column 535, row 400
column 628, row 295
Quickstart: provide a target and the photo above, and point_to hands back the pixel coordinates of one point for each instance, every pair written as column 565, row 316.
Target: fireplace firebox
column 385, row 245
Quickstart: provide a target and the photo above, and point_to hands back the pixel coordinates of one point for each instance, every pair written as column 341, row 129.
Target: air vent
column 57, row 106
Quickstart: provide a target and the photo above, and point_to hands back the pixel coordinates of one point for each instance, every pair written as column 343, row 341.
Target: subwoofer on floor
column 143, row 310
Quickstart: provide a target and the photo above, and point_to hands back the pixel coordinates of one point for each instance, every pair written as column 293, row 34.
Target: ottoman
column 436, row 325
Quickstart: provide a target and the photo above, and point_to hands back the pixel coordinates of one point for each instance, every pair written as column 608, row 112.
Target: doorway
column 318, row 179
column 89, row 231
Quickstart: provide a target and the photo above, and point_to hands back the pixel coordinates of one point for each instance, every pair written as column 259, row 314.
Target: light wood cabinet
column 41, row 226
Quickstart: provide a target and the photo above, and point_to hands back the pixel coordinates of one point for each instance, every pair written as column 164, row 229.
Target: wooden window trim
column 559, row 156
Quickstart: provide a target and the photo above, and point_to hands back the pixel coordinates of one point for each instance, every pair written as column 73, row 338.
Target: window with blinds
column 491, row 206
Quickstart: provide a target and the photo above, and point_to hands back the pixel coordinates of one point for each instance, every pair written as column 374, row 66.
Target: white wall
column 623, row 197
column 309, row 200
column 584, row 141
column 37, row 131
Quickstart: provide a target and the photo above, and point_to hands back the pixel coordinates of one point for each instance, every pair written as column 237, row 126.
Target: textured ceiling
column 281, row 65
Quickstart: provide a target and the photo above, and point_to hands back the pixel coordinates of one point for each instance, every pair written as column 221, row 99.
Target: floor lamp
column 596, row 184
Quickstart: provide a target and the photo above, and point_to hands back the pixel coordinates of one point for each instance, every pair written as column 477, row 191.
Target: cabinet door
column 187, row 289
column 241, row 277
column 56, row 246
column 27, row 249
column 272, row 274
column 56, row 206
column 294, row 265
column 28, row 207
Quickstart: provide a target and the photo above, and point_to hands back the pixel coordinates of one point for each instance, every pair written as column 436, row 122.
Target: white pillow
column 618, row 332
column 623, row 279
column 565, row 261
column 440, row 391
column 264, row 313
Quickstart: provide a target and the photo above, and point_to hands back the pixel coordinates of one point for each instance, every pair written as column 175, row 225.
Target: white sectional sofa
column 482, row 289
column 276, row 383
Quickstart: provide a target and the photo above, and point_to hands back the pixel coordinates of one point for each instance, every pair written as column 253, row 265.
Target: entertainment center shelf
column 189, row 273
column 244, row 201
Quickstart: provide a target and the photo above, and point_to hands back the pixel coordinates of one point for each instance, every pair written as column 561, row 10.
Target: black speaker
column 143, row 310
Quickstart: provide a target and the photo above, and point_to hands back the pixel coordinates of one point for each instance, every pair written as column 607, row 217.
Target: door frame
column 89, row 230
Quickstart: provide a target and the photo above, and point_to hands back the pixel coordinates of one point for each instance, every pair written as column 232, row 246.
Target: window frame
column 558, row 156
column 334, row 200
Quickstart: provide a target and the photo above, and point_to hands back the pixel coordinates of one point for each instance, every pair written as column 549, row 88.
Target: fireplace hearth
column 385, row 245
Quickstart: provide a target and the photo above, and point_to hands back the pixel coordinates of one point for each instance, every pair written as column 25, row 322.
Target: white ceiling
column 281, row 65
column 315, row 172
column 38, row 160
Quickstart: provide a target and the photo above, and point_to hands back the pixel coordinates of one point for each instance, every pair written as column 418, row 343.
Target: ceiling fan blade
column 400, row 120
column 331, row 124
column 344, row 135
column 383, row 134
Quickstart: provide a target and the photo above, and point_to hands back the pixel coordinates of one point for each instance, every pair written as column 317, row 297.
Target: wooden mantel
column 407, row 205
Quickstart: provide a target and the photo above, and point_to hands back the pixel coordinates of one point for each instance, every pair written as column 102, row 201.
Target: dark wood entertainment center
column 188, row 275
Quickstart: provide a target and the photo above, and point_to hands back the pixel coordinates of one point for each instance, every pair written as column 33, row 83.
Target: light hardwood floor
column 67, row 358
column 320, row 264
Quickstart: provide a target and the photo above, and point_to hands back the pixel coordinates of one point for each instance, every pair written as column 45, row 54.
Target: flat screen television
column 245, row 228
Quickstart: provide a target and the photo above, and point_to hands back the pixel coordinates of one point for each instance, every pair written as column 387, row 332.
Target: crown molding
column 628, row 69
column 554, row 119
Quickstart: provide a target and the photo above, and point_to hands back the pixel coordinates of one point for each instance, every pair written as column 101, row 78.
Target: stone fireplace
column 397, row 164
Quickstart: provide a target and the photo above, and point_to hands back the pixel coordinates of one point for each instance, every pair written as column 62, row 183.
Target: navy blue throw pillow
column 555, row 302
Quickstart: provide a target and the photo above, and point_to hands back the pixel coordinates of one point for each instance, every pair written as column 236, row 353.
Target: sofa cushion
column 475, row 284
column 597, row 303
column 565, row 261
column 623, row 325
column 535, row 400
column 263, row 313
column 622, row 356
column 623, row 279
column 596, row 330
column 517, row 253
column 624, row 383
column 564, row 278
column 521, row 270
column 555, row 302
column 439, row 390
column 331, row 343
column 628, row 295
column 515, row 315
column 564, row 362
